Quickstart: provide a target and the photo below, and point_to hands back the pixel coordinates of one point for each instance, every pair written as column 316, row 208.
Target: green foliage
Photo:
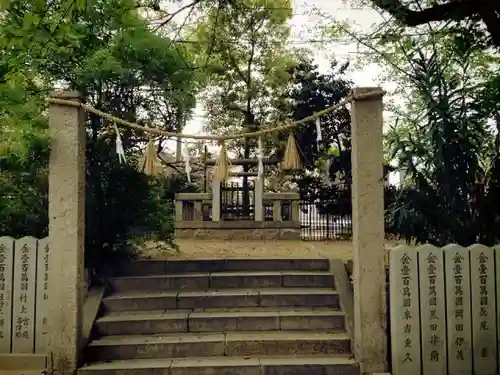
column 243, row 48
column 452, row 159
column 445, row 136
column 107, row 52
column 24, row 149
column 310, row 92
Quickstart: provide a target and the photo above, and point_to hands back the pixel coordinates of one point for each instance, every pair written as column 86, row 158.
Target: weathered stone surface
column 245, row 280
column 23, row 315
column 281, row 343
column 271, row 264
column 458, row 302
column 23, row 361
column 160, row 283
column 133, row 367
column 142, row 324
column 405, row 315
column 42, row 296
column 299, row 297
column 152, row 301
column 497, row 280
column 432, row 307
column 90, row 311
column 259, row 317
column 313, row 320
column 289, row 234
column 183, row 266
column 221, row 298
column 308, row 279
column 234, row 321
column 484, row 321
column 239, row 234
column 6, row 290
column 308, row 365
column 370, row 320
column 215, row 366
column 164, row 346
column 67, row 231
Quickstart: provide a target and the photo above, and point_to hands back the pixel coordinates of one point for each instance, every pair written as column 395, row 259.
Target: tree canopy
column 107, row 52
column 133, row 60
column 479, row 13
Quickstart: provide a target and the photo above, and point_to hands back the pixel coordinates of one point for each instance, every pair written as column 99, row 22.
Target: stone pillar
column 179, row 210
column 370, row 341
column 66, row 233
column 198, row 213
column 277, row 210
column 259, row 199
column 215, row 200
column 295, row 210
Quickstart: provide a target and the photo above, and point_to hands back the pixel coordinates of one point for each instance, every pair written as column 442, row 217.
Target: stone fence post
column 216, row 203
column 66, row 233
column 370, row 341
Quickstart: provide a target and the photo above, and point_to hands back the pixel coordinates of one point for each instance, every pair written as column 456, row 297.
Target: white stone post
column 216, row 200
column 370, row 341
column 259, row 199
column 66, row 234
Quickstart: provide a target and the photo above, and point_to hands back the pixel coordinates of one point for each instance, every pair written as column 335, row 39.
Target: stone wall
column 238, row 230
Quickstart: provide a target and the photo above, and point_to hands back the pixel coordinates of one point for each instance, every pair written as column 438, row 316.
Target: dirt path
column 206, row 249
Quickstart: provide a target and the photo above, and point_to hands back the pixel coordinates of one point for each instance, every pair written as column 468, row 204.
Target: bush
column 118, row 199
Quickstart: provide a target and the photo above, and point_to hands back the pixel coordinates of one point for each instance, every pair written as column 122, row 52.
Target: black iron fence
column 237, row 201
column 318, row 224
column 328, row 217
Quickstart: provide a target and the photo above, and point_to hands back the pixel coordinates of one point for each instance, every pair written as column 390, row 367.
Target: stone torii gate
column 67, row 227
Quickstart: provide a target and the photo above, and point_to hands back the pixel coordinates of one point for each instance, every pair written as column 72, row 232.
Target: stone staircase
column 221, row 317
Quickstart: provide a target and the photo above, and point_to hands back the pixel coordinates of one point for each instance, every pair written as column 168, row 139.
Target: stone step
column 298, row 297
column 231, row 344
column 305, row 365
column 218, row 280
column 176, row 266
column 145, row 322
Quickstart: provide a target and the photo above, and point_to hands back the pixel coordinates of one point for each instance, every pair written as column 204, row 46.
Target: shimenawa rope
column 291, row 159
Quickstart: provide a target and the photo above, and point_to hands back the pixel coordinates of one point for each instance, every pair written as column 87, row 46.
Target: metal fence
column 234, row 206
column 317, row 225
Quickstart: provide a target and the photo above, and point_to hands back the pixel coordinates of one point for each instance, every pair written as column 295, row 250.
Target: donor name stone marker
column 25, row 256
column 482, row 260
column 458, row 299
column 6, row 272
column 405, row 318
column 42, row 296
column 432, row 307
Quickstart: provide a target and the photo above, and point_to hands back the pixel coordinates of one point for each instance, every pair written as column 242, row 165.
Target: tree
column 310, row 92
column 411, row 13
column 446, row 132
column 243, row 45
column 451, row 156
column 106, row 51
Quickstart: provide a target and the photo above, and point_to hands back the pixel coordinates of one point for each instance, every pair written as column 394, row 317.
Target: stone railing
column 283, row 206
column 277, row 207
column 276, row 216
column 193, row 206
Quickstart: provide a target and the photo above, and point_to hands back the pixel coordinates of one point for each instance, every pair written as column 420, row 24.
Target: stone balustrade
column 277, row 207
column 192, row 206
column 276, row 216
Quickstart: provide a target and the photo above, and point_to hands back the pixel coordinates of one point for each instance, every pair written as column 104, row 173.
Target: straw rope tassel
column 222, row 167
column 150, row 158
column 291, row 160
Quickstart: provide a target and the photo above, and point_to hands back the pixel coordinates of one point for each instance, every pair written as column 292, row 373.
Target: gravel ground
column 207, row 249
